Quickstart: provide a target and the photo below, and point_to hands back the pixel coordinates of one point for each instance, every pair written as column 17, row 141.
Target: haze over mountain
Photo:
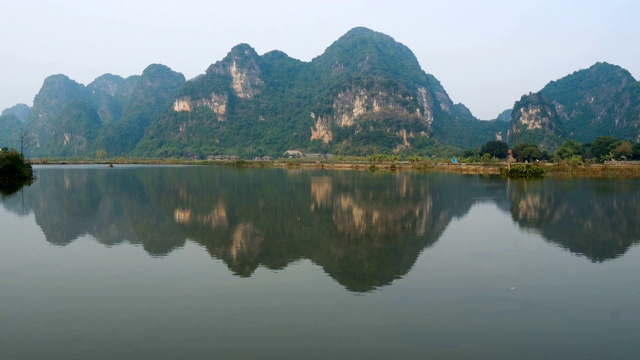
column 365, row 94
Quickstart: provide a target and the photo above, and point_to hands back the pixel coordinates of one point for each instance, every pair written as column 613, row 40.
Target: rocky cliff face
column 216, row 102
column 242, row 66
column 153, row 94
column 365, row 94
column 57, row 91
column 109, row 93
column 358, row 103
column 365, row 85
column 536, row 120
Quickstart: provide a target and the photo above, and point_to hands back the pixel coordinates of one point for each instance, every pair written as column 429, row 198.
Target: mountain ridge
column 601, row 100
column 365, row 94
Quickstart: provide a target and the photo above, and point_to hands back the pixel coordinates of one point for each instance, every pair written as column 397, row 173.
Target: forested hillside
column 365, row 94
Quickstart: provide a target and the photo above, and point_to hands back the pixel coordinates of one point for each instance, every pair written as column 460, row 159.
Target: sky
column 486, row 54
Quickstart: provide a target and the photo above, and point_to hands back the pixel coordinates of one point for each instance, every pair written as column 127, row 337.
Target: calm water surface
column 144, row 262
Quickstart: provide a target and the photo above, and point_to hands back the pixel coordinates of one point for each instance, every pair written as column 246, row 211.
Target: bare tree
column 25, row 139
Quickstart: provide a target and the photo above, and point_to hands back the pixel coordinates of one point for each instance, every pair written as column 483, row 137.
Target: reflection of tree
column 13, row 200
column 8, row 190
column 594, row 218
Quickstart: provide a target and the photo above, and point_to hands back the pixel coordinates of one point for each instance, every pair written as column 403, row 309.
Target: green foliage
column 74, row 131
column 636, row 151
column 15, row 171
column 525, row 171
column 585, row 96
column 365, row 53
column 527, row 152
column 467, row 133
column 573, row 161
column 495, row 148
column 603, row 100
column 153, row 94
column 382, row 158
column 602, row 148
column 569, row 149
column 20, row 111
column 624, row 150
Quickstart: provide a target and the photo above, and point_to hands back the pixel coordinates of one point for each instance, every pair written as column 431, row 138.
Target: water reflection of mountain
column 597, row 218
column 363, row 229
column 113, row 206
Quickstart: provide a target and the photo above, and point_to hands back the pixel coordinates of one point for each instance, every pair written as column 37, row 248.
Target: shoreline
column 616, row 169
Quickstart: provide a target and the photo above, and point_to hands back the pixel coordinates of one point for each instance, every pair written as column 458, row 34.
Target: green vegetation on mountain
column 505, row 115
column 21, row 111
column 74, row 131
column 9, row 126
column 365, row 94
column 110, row 114
column 110, row 94
column 603, row 100
column 153, row 93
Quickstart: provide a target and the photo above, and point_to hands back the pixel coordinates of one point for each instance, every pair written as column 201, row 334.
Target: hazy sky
column 485, row 53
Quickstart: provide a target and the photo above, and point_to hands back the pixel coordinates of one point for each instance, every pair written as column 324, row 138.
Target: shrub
column 14, row 169
column 524, row 171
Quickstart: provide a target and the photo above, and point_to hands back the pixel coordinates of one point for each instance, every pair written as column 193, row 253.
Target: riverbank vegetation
column 524, row 171
column 15, row 171
column 605, row 157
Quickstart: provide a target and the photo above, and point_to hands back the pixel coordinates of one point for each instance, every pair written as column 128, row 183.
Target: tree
column 569, row 149
column 527, row 152
column 603, row 147
column 495, row 148
column 25, row 140
column 625, row 149
column 14, row 169
column 636, row 151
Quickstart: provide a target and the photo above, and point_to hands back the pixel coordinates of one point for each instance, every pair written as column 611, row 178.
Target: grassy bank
column 618, row 169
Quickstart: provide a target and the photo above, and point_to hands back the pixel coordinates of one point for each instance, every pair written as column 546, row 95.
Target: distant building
column 222, row 157
column 293, row 154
